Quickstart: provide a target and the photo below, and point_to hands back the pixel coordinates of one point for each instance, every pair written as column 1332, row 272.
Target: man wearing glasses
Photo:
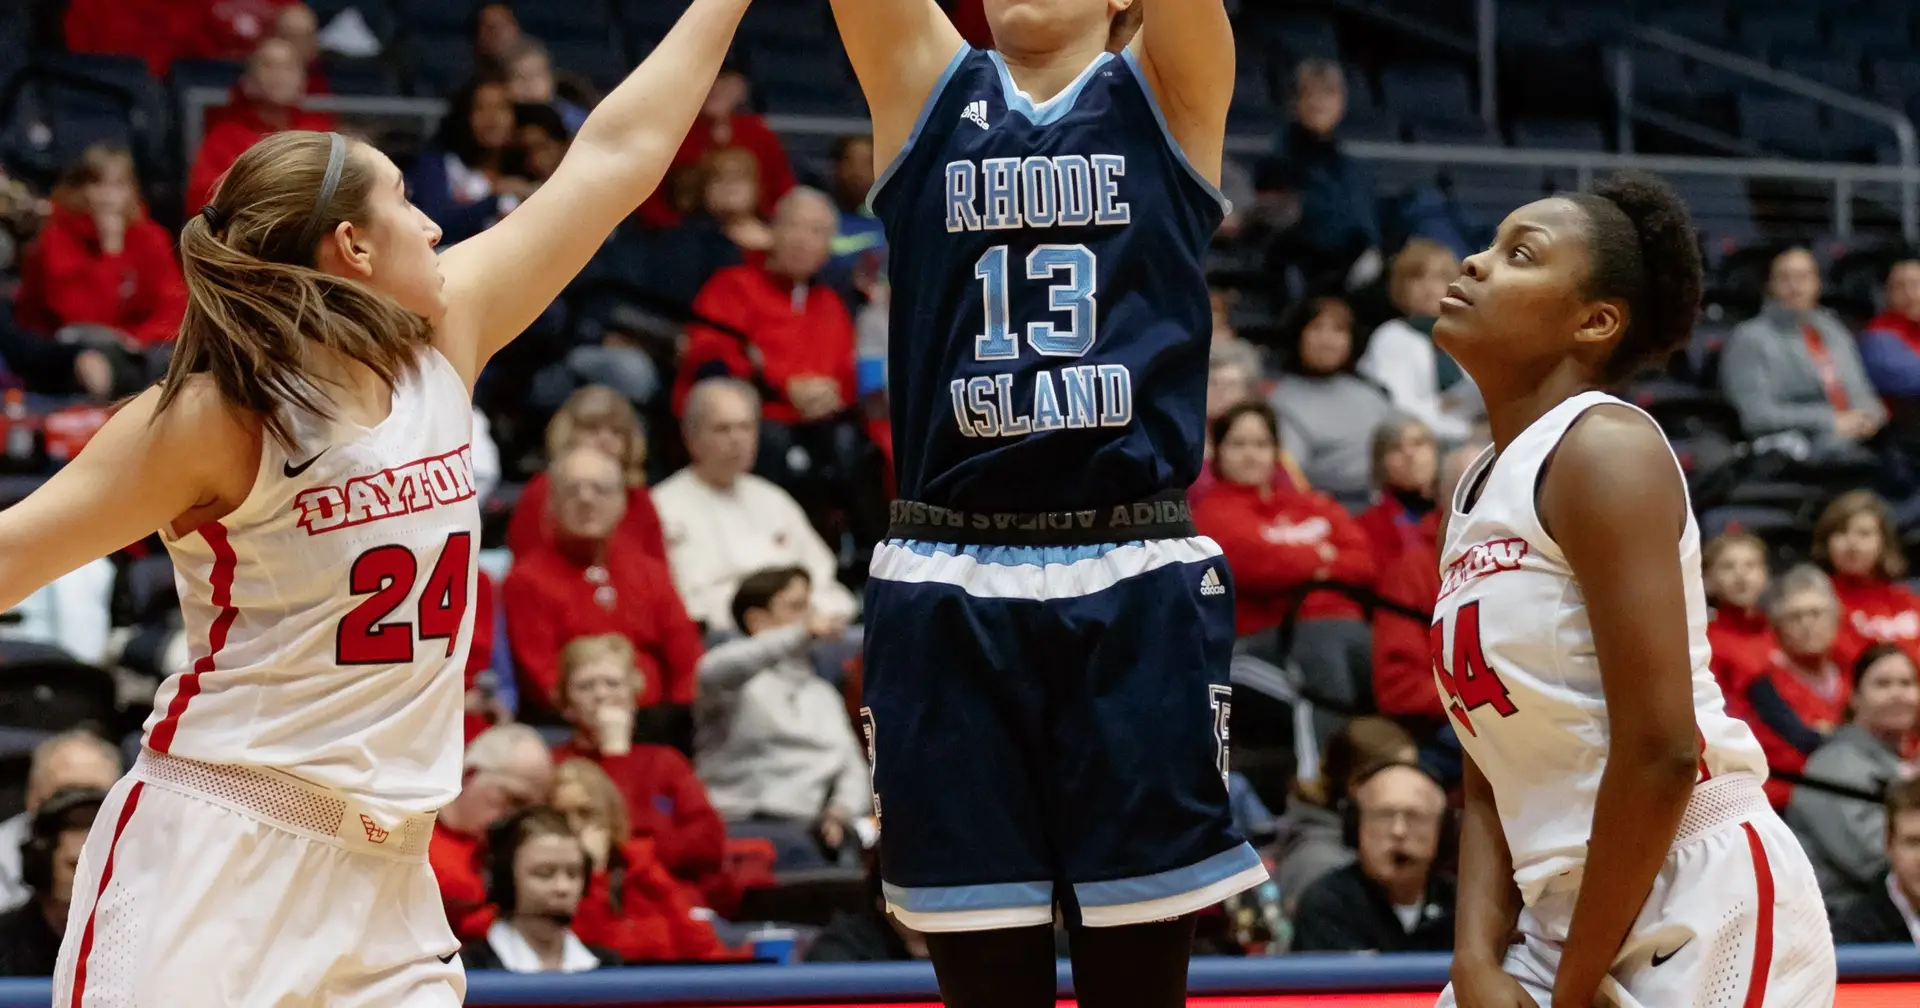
column 1390, row 899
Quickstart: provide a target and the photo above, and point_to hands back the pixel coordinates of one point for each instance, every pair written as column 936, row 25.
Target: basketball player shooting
column 1614, row 812
column 1048, row 639
column 307, row 461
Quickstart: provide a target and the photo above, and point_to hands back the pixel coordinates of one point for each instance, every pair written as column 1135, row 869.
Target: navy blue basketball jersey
column 1050, row 318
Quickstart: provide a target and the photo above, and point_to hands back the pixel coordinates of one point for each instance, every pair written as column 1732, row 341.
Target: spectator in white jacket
column 1420, row 379
column 773, row 742
column 722, row 523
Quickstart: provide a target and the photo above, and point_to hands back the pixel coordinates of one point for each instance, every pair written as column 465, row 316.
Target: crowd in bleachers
column 686, row 463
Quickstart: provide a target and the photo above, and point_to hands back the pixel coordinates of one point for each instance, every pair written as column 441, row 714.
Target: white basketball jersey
column 329, row 614
column 1514, row 658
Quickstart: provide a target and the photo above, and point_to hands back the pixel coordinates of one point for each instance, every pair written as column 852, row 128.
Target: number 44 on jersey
column 1467, row 681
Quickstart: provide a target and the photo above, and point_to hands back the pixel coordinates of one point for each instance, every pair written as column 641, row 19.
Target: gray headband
column 336, row 164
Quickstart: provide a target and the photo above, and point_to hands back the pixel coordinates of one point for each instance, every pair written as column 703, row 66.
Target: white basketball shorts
column 1734, row 920
column 227, row 887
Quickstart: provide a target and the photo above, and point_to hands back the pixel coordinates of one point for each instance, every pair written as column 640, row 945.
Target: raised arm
column 1185, row 47
column 899, row 49
column 138, row 474
column 499, row 281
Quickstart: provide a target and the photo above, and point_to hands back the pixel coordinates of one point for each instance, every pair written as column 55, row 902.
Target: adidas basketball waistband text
column 1163, row 516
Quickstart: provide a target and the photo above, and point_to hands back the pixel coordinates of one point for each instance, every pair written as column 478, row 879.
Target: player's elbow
column 1658, row 756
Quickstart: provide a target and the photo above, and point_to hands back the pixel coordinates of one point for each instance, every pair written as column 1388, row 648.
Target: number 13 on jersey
column 1467, row 682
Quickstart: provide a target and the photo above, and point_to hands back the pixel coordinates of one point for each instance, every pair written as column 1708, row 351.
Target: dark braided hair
column 1645, row 252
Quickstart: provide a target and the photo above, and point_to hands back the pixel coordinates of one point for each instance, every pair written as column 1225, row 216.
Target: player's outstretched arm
column 1186, row 49
column 899, row 49
column 499, row 281
column 139, row 474
column 1614, row 501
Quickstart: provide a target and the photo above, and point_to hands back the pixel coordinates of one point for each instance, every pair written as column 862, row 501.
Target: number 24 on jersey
column 1467, row 681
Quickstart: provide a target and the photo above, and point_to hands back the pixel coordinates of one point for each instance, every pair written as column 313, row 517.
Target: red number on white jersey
column 1470, row 683
column 385, row 574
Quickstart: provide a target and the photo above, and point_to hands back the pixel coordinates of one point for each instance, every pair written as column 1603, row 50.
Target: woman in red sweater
column 1276, row 541
column 1799, row 694
column 594, row 417
column 1735, row 569
column 1854, row 542
column 633, row 906
column 1405, row 460
column 102, row 263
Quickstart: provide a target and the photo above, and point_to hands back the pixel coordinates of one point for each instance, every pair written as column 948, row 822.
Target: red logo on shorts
column 374, row 832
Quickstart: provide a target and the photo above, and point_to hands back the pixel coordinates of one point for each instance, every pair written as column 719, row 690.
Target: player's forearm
column 1488, row 903
column 647, row 117
column 1635, row 816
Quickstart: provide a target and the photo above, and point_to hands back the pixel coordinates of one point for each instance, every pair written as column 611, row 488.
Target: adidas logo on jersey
column 1210, row 583
column 976, row 113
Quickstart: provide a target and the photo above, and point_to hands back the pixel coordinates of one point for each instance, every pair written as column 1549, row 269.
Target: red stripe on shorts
column 106, row 875
column 1763, row 922
column 1700, row 746
column 222, row 582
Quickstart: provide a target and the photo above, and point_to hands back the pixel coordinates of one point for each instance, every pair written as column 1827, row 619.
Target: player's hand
column 1488, row 987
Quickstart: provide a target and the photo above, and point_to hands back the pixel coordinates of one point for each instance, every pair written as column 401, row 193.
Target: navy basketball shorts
column 1049, row 725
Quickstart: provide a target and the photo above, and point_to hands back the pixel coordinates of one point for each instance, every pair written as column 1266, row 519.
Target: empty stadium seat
column 1857, row 34
column 1763, row 27
column 1896, row 80
column 1427, row 92
column 360, row 77
column 1595, row 23
column 1833, row 71
column 196, row 73
column 787, row 21
column 1560, row 134
column 1291, row 38
column 1700, row 22
column 441, row 64
column 437, row 17
column 1720, row 205
column 1375, row 125
column 1789, row 126
column 565, row 20
column 1456, row 132
column 1528, row 22
column 597, row 60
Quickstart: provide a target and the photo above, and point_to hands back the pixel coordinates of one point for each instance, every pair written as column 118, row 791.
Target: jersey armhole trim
column 1132, row 59
column 926, row 113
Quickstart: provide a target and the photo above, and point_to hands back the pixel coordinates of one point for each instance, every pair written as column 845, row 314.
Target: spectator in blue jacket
column 1890, row 345
column 463, row 180
column 1338, row 218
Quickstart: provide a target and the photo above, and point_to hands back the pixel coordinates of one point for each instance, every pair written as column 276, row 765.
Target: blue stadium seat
column 1252, row 116
column 1595, row 23
column 360, row 77
column 1790, row 126
column 1294, row 37
column 1702, row 22
column 657, row 15
column 1833, row 71
column 1559, row 134
column 1656, row 73
column 564, row 21
column 784, row 21
column 1492, row 191
column 1252, row 81
column 804, row 79
column 1455, row 132
column 1376, row 125
column 1529, row 22
column 436, row 17
column 1898, row 80
column 1855, row 138
column 1427, row 92
column 1762, row 28
column 1392, row 178
column 598, row 61
column 205, row 73
column 442, row 63
column 1361, row 96
column 1720, row 205
column 1857, row 34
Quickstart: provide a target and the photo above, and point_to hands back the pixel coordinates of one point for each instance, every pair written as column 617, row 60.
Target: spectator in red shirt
column 1799, row 695
column 102, row 274
column 297, row 24
column 594, row 417
column 1735, row 566
column 1403, row 686
column 1276, row 541
column 483, row 710
column 506, row 769
column 633, row 906
column 266, row 101
column 590, row 582
column 1405, row 461
column 725, row 122
column 1855, row 543
column 665, row 803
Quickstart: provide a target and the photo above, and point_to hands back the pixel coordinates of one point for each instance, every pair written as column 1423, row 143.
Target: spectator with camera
column 722, row 522
column 536, row 875
column 590, row 581
column 30, row 934
column 266, row 101
column 1391, row 898
column 69, row 760
column 773, row 743
column 1890, row 912
column 505, row 770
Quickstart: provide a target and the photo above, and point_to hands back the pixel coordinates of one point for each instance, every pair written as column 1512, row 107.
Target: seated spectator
column 723, row 523
column 600, row 418
column 633, row 906
column 464, row 180
column 1405, row 463
column 530, row 77
column 30, row 934
column 1842, row 836
column 1855, row 543
column 1233, row 377
column 1890, row 344
column 721, row 226
column 1735, row 568
column 588, row 582
column 298, row 26
column 496, row 35
column 726, row 121
column 483, row 706
column 539, row 870
column 868, row 934
column 541, row 140
column 1328, row 413
column 102, row 274
column 860, row 243
column 1421, row 380
column 1391, row 898
column 67, row 761
column 1310, row 838
column 1798, row 697
column 506, row 769
column 267, row 100
column 1794, row 368
column 1332, row 199
column 1890, row 913
column 1276, row 541
column 1403, row 687
column 665, row 802
column 772, row 740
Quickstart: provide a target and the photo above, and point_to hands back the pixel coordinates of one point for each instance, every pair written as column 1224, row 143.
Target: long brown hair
column 257, row 306
column 1892, row 563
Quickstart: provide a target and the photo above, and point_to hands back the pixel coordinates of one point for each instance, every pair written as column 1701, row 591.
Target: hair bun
column 1669, row 255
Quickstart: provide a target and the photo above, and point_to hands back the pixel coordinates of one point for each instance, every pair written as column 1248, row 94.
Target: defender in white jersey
column 1614, row 809
column 308, row 462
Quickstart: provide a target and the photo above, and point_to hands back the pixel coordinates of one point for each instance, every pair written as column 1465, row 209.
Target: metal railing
column 194, row 103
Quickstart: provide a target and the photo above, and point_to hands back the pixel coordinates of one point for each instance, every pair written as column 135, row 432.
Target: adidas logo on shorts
column 1210, row 583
